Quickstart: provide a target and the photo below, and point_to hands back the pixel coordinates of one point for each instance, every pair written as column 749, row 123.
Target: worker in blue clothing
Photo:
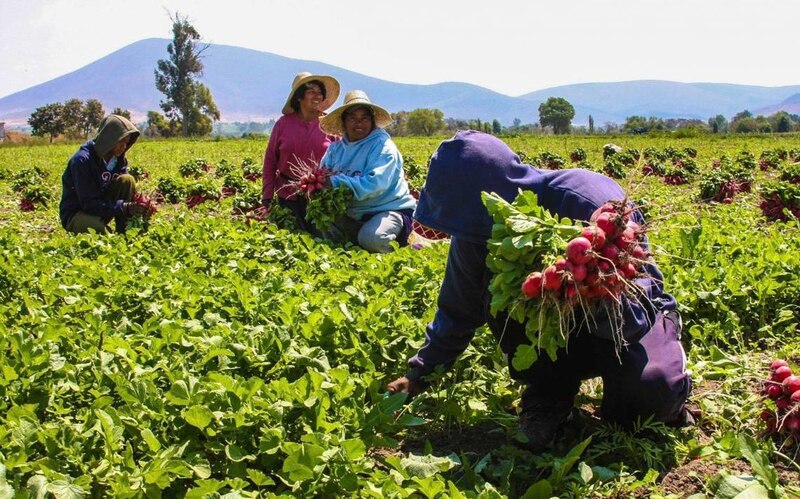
column 645, row 377
column 96, row 185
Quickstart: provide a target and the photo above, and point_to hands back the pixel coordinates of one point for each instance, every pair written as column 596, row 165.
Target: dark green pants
column 123, row 187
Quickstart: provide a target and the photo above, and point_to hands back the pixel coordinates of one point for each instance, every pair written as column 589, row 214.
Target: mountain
column 249, row 85
column 791, row 105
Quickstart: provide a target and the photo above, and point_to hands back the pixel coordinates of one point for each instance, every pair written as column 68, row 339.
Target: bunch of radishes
column 783, row 389
column 601, row 262
column 195, row 200
column 258, row 214
column 309, row 177
column 313, row 180
column 31, row 195
column 26, row 204
column 148, row 203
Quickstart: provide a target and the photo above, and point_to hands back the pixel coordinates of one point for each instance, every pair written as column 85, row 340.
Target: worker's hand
column 133, row 208
column 404, row 385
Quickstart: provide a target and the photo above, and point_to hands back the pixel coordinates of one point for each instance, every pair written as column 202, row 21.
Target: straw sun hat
column 331, row 90
column 332, row 123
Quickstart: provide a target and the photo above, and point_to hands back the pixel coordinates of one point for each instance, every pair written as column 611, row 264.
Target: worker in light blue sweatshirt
column 367, row 161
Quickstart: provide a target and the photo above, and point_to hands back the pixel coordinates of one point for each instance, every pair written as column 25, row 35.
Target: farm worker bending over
column 644, row 377
column 96, row 184
column 367, row 161
column 297, row 138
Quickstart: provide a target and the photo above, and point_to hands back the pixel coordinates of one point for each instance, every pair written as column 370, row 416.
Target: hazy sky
column 512, row 47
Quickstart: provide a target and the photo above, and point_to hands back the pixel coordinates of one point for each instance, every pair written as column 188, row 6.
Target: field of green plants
column 215, row 355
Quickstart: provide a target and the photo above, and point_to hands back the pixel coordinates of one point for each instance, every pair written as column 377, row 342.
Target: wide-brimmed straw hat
column 332, row 123
column 331, row 90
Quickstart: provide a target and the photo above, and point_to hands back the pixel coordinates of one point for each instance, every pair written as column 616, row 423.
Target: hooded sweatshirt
column 460, row 169
column 86, row 178
column 373, row 169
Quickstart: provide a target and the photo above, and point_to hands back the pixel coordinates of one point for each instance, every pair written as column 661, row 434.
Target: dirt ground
column 679, row 481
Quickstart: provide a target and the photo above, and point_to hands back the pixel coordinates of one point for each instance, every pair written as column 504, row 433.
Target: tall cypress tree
column 188, row 101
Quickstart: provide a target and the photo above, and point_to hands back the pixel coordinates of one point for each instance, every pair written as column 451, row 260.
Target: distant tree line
column 73, row 118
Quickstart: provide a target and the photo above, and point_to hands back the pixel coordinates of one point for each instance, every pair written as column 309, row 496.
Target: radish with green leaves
column 564, row 272
column 782, row 402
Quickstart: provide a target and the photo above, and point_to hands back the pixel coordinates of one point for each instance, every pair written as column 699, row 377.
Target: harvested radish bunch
column 782, row 403
column 553, row 275
column 26, row 204
column 169, row 190
column 141, row 221
column 145, row 200
column 326, row 205
column 33, row 194
column 780, row 200
column 308, row 178
column 201, row 192
column 258, row 214
column 245, row 202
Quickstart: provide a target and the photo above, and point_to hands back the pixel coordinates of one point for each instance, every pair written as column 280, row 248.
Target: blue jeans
column 374, row 234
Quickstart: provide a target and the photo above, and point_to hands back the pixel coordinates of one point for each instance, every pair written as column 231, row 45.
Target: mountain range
column 250, row 85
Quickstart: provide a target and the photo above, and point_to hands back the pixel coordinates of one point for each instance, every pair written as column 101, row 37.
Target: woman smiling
column 367, row 161
column 297, row 138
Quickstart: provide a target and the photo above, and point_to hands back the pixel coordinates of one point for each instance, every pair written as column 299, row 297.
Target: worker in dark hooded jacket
column 96, row 185
column 644, row 377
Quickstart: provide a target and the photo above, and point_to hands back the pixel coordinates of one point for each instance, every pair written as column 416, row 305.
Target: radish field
column 216, row 355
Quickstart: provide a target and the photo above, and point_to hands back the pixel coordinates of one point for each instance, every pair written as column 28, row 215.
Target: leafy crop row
column 208, row 355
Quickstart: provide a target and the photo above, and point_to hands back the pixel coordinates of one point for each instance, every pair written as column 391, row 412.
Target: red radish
column 792, row 423
column 610, row 252
column 795, row 397
column 628, row 270
column 532, row 287
column 578, row 271
column 626, row 239
column 595, row 235
column 792, row 384
column 560, row 265
column 782, row 373
column 777, row 363
column 592, row 278
column 552, row 279
column 774, row 391
column 579, row 250
column 594, row 291
column 605, row 208
column 26, row 204
column 639, row 253
column 609, row 224
column 782, row 403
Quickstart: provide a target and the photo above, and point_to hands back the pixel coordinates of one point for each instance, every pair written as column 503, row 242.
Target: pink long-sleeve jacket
column 292, row 140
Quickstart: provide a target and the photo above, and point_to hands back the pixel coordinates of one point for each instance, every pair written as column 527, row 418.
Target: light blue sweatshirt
column 373, row 169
